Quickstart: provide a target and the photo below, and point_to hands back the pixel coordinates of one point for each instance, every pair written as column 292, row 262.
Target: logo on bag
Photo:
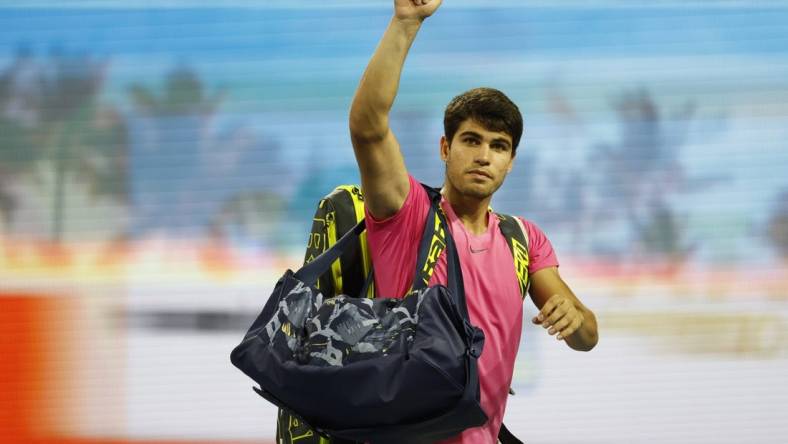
column 521, row 261
column 357, row 192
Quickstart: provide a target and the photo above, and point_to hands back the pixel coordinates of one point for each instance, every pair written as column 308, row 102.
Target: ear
column 444, row 148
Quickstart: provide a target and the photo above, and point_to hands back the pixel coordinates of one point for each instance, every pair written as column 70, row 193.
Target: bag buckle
column 476, row 344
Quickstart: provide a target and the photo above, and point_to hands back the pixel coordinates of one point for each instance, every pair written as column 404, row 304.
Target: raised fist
column 415, row 9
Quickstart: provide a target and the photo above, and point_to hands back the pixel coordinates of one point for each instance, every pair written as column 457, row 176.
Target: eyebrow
column 479, row 136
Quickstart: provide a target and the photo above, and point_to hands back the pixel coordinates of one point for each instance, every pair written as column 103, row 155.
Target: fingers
column 571, row 328
column 548, row 308
column 567, row 325
column 553, row 310
column 558, row 319
column 559, row 316
column 559, row 326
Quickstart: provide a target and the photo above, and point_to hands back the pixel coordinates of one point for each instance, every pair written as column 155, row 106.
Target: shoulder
column 416, row 203
column 540, row 249
column 514, row 223
column 532, row 229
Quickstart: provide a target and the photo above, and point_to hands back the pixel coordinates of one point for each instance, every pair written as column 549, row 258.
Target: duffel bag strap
column 309, row 273
column 433, row 242
column 507, row 437
column 454, row 271
column 435, row 238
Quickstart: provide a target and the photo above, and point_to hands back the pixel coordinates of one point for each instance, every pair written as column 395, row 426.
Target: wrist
column 408, row 23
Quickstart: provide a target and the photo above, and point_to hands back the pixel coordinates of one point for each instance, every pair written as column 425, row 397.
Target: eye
column 471, row 141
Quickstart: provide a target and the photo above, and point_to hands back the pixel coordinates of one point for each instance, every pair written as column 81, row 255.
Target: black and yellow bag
column 338, row 213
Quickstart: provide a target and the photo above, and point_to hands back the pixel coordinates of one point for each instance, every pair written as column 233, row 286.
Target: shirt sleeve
column 540, row 250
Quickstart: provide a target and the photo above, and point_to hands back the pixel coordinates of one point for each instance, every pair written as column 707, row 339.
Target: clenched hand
column 559, row 315
column 415, row 9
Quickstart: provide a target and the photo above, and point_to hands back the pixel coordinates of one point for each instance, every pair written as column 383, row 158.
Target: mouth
column 480, row 173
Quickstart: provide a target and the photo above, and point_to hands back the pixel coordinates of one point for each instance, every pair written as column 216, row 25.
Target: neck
column 471, row 211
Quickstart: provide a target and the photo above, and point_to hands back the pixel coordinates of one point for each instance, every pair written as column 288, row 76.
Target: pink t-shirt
column 491, row 289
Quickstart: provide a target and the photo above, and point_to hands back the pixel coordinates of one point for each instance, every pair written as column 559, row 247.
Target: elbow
column 584, row 344
column 366, row 131
column 592, row 333
column 367, row 124
column 589, row 344
column 594, row 342
column 365, row 136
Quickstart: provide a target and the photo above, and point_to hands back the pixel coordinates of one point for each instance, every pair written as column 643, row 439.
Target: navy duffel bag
column 381, row 370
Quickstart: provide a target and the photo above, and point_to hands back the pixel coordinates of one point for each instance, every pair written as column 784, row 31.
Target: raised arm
column 384, row 178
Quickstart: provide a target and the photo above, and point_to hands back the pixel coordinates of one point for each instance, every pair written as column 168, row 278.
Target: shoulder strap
column 440, row 230
column 310, row 272
column 433, row 242
column 517, row 239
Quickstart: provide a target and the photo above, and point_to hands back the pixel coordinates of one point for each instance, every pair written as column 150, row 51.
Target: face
column 477, row 160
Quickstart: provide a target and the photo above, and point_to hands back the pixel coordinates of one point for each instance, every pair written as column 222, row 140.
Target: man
column 483, row 128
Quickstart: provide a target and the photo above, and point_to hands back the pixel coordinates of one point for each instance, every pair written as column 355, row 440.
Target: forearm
column 379, row 84
column 586, row 336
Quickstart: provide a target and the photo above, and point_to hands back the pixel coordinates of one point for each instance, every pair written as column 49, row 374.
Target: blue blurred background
column 159, row 167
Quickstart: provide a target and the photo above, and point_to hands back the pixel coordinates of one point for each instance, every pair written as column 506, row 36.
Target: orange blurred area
column 36, row 335
column 153, row 441
column 99, row 261
column 39, row 399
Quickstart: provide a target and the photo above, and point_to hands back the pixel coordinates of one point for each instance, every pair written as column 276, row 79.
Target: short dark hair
column 487, row 106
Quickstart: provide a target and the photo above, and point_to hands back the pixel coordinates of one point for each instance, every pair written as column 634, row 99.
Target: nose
column 483, row 155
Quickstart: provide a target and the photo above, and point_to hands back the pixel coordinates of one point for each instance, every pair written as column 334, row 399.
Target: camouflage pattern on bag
column 341, row 330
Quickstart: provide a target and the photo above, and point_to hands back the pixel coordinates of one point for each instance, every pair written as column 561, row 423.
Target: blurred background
column 160, row 164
